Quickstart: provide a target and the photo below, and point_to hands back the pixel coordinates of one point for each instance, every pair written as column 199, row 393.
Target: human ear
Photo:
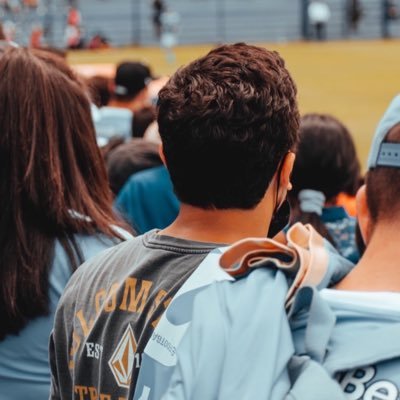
column 286, row 171
column 363, row 215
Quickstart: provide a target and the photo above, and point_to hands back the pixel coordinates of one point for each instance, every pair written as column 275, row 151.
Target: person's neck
column 219, row 226
column 379, row 267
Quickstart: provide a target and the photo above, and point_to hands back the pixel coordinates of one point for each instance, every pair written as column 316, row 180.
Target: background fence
column 126, row 22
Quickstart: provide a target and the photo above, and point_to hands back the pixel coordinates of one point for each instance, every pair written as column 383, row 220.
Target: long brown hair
column 53, row 182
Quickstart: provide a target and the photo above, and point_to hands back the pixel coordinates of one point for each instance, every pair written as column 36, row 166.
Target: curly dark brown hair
column 226, row 121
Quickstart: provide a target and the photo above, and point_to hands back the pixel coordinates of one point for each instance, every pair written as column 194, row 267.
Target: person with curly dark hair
column 228, row 123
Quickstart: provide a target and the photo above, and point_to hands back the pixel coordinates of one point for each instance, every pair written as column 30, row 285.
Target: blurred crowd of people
column 32, row 18
column 192, row 236
column 32, row 22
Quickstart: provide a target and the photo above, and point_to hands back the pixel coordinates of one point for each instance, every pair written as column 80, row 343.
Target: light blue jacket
column 223, row 329
column 243, row 345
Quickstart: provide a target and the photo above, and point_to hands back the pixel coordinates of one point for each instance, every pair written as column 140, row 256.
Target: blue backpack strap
column 319, row 321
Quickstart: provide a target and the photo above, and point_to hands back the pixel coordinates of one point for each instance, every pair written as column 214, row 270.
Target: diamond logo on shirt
column 122, row 360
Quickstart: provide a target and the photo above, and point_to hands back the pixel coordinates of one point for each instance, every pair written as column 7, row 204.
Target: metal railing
column 126, row 22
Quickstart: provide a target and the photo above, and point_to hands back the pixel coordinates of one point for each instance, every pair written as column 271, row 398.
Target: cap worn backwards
column 386, row 154
column 131, row 78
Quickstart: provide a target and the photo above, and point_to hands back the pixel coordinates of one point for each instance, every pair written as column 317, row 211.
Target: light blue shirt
column 24, row 366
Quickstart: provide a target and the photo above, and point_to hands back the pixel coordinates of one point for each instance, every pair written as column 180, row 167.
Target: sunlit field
column 352, row 80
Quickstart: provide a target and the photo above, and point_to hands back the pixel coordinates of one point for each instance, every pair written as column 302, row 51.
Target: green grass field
column 352, row 80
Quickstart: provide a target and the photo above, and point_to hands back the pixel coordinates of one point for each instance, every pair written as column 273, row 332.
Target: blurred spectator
column 143, row 118
column 158, row 9
column 99, row 88
column 326, row 165
column 31, row 3
column 129, row 95
column 56, row 208
column 74, row 16
column 354, row 14
column 111, row 145
column 98, row 41
column 390, row 13
column 73, row 37
column 319, row 15
column 169, row 33
column 13, row 6
column 148, row 201
column 36, row 38
column 128, row 158
column 73, row 31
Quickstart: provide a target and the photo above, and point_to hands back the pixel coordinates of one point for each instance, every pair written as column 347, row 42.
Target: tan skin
column 228, row 226
column 378, row 269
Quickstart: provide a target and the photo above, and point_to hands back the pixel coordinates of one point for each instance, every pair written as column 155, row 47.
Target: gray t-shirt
column 109, row 310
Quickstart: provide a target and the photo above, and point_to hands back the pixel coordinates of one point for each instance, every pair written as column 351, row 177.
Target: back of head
column 142, row 119
column 130, row 79
column 54, row 154
column 226, row 121
column 129, row 158
column 326, row 165
column 51, row 172
column 99, row 88
column 326, row 158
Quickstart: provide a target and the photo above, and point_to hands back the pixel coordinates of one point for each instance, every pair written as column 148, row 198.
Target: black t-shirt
column 109, row 310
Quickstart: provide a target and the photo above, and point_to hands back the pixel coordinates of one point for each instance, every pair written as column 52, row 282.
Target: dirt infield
column 352, row 80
